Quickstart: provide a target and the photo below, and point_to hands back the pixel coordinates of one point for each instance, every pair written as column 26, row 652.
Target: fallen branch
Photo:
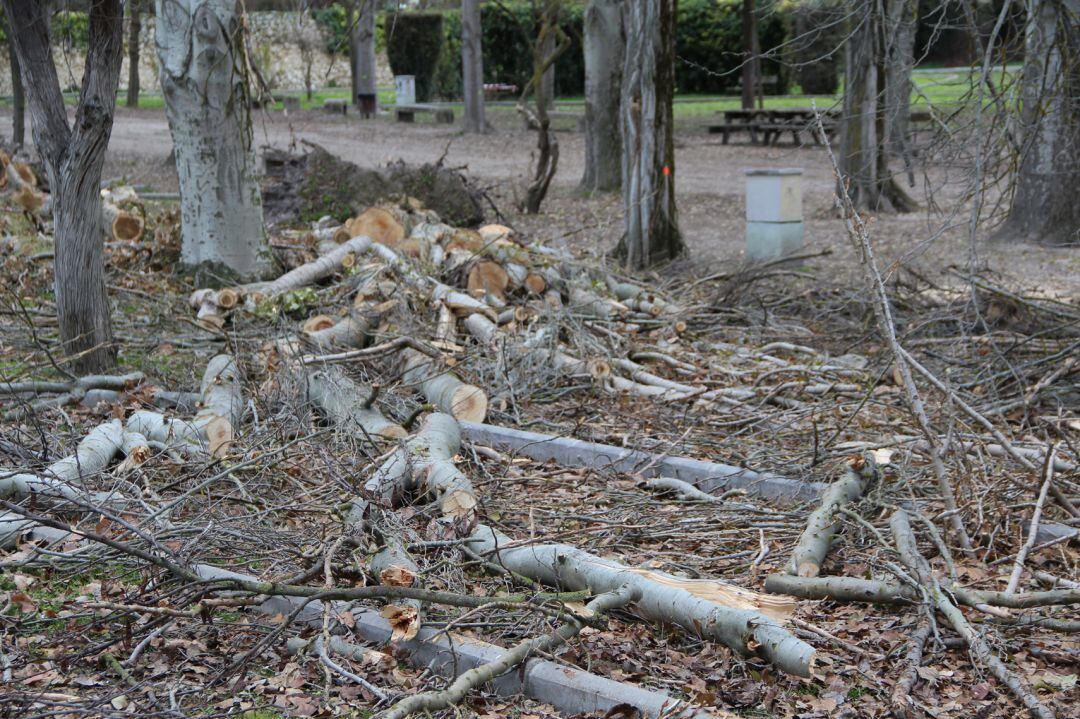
column 981, row 651
column 814, row 543
column 738, row 623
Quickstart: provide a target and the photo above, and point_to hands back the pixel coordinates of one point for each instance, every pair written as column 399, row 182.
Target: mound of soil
column 308, row 186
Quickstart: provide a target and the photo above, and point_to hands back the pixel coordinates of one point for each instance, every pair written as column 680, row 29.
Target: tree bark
column 605, row 47
column 472, row 66
column 1044, row 207
column 900, row 58
column 647, row 121
column 750, row 52
column 18, row 99
column 365, row 69
column 863, row 159
column 545, row 92
column 73, row 157
column 204, row 79
column 134, row 32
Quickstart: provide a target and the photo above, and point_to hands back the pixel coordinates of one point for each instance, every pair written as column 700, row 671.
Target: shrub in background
column 816, row 51
column 414, row 43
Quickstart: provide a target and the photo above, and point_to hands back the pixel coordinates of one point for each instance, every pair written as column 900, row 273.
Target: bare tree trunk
column 1044, row 207
column 750, row 49
column 605, row 47
column 472, row 66
column 551, row 42
column 647, row 121
column 134, row 31
column 863, row 159
column 73, row 157
column 900, row 58
column 204, row 79
column 350, row 17
column 545, row 93
column 18, row 100
column 366, row 68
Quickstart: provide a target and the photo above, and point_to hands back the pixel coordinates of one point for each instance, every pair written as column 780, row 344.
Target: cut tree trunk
column 472, row 66
column 862, row 156
column 425, row 464
column 365, row 70
column 204, row 79
column 442, row 388
column 735, row 617
column 73, row 156
column 134, row 31
column 1044, row 207
column 605, row 47
column 348, row 405
column 648, row 155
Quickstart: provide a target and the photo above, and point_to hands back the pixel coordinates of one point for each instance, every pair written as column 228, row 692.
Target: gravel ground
column 709, row 180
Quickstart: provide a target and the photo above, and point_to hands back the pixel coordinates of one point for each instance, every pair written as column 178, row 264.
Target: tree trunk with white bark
column 472, row 66
column 73, row 156
column 605, row 48
column 204, row 79
column 647, row 121
column 1044, row 207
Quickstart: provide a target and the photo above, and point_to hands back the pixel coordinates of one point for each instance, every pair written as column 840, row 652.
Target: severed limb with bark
column 478, row 676
column 740, row 619
column 348, row 404
column 210, row 302
column 213, row 428
column 876, row 591
column 394, row 567
column 813, row 544
column 442, row 388
column 980, row 649
column 424, row 464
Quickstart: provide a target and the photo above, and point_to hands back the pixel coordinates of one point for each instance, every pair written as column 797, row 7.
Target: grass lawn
column 936, row 86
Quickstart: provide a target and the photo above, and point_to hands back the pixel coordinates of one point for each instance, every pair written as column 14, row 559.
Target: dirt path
column 710, row 185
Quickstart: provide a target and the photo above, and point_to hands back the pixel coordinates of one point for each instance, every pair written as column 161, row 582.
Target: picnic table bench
column 408, row 113
column 336, row 106
column 772, row 124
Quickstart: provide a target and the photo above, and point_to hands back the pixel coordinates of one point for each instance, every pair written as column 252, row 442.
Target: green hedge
column 414, row 44
column 708, row 46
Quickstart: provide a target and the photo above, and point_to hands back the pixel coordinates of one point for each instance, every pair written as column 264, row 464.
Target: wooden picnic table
column 772, row 122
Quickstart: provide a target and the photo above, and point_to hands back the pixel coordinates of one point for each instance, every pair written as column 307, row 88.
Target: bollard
column 774, row 219
column 405, row 89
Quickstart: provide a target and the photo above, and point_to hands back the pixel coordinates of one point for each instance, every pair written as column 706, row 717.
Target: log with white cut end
column 348, row 405
column 813, row 545
column 745, row 621
column 442, row 388
column 425, row 463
